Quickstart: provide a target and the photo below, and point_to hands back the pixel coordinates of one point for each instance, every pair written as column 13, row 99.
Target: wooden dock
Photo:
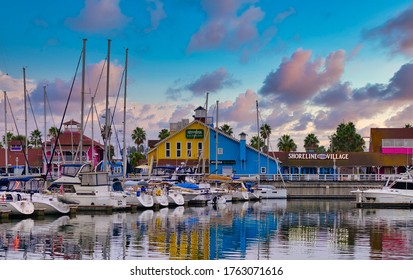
column 376, row 205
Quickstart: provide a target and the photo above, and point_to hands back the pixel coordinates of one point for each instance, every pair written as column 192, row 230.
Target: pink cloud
column 395, row 34
column 299, row 78
column 99, row 16
column 227, row 26
column 242, row 111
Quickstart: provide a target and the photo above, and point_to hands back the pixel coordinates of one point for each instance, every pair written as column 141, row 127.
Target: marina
column 261, row 230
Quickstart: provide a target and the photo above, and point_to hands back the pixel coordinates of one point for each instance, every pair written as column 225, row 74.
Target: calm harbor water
column 269, row 229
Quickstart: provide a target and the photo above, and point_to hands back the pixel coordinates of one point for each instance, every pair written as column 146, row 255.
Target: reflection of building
column 199, row 144
column 391, row 150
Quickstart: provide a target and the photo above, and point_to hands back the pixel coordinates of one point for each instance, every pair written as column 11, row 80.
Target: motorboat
column 13, row 203
column 90, row 190
column 397, row 191
column 175, row 197
column 159, row 193
column 136, row 193
column 194, row 193
column 32, row 188
column 270, row 191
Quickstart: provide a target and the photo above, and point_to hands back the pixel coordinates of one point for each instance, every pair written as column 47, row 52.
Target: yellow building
column 187, row 146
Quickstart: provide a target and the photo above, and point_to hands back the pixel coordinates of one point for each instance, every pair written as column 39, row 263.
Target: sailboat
column 265, row 191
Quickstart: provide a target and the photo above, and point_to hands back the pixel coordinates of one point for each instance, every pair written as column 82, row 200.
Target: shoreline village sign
column 194, row 133
column 317, row 156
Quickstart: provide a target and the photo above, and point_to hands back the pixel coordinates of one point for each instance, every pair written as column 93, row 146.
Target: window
column 188, row 149
column 200, row 149
column 168, row 149
column 178, row 149
column 263, row 170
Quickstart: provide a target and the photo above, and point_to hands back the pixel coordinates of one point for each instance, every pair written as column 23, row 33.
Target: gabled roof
column 67, row 138
column 209, row 128
column 176, row 132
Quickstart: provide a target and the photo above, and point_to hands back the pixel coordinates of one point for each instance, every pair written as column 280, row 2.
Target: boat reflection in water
column 266, row 229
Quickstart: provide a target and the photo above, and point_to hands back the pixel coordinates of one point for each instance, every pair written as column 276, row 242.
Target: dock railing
column 323, row 177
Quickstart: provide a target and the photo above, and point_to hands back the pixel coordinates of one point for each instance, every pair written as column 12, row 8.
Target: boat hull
column 17, row 208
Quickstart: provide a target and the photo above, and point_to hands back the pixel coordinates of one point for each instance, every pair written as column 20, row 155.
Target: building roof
column 69, row 138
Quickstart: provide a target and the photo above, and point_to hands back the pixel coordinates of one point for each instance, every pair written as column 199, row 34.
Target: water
column 270, row 230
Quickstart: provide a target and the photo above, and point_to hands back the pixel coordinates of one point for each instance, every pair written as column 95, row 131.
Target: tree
column 53, row 132
column 36, row 138
column 103, row 132
column 164, row 133
column 138, row 136
column 346, row 139
column 265, row 132
column 10, row 136
column 311, row 142
column 254, row 142
column 408, row 126
column 227, row 129
column 286, row 144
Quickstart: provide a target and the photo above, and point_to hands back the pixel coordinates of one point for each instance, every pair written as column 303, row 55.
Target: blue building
column 198, row 144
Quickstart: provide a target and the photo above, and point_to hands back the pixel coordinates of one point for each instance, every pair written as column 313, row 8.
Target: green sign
column 194, row 133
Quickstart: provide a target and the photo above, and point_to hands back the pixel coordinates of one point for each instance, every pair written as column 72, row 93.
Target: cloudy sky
column 311, row 65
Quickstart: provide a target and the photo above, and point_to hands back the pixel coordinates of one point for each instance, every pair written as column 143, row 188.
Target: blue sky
column 310, row 64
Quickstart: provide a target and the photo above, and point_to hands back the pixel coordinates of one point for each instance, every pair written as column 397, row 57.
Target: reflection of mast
column 6, row 139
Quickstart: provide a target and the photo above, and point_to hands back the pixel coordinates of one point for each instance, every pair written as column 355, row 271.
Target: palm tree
column 53, row 132
column 35, row 138
column 103, row 132
column 164, row 133
column 227, row 129
column 311, row 142
column 346, row 139
column 138, row 136
column 254, row 142
column 9, row 137
column 265, row 132
column 286, row 144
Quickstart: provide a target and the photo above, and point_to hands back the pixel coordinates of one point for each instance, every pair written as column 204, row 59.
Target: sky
column 310, row 65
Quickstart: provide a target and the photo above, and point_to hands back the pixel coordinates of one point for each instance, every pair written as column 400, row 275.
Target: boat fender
column 158, row 192
column 138, row 193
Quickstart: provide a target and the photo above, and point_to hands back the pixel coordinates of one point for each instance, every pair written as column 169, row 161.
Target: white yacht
column 270, row 191
column 32, row 188
column 13, row 203
column 88, row 190
column 397, row 191
column 136, row 194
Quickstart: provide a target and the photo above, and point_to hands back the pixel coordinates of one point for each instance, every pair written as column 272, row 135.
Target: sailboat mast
column 124, row 116
column 26, row 169
column 216, row 143
column 45, row 131
column 83, row 101
column 258, row 141
column 6, row 139
column 105, row 155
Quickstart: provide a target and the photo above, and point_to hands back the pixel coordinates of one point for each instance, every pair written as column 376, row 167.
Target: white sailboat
column 12, row 203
